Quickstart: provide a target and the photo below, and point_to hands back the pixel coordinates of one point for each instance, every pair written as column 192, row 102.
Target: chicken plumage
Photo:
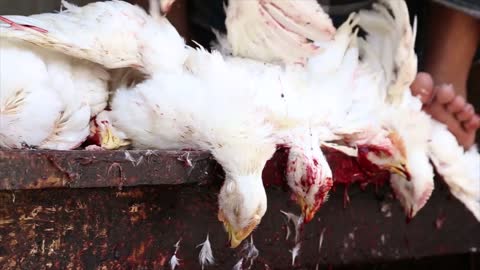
column 51, row 109
column 78, row 46
column 286, row 33
column 276, row 31
column 114, row 34
column 237, row 136
column 423, row 137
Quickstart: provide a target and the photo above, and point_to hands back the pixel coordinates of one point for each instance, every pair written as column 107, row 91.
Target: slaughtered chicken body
column 69, row 56
column 375, row 114
column 240, row 140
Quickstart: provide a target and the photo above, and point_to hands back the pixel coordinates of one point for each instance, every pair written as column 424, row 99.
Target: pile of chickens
column 282, row 76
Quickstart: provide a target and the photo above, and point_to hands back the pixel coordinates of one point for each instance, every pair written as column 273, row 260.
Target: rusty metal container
column 127, row 210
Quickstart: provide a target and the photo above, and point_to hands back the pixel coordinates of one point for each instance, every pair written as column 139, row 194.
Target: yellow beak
column 233, row 236
column 111, row 142
column 401, row 170
column 236, row 237
column 307, row 211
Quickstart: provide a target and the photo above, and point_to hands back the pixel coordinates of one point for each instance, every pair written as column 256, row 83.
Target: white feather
column 174, row 262
column 388, row 51
column 295, row 252
column 320, row 240
column 114, row 34
column 297, row 222
column 53, row 108
column 205, row 257
column 238, row 265
column 276, row 31
column 164, row 120
column 460, row 169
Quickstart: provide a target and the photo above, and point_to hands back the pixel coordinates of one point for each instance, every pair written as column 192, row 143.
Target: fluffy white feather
column 232, row 130
column 114, row 34
column 460, row 169
column 388, row 50
column 53, row 108
column 276, row 30
column 389, row 47
column 297, row 222
column 390, row 44
column 295, row 252
column 205, row 257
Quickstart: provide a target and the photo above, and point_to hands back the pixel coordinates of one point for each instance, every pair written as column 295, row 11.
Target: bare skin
column 451, row 45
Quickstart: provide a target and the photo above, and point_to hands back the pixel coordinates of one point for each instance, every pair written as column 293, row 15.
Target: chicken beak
column 236, row 237
column 401, row 169
column 308, row 214
column 307, row 211
column 110, row 141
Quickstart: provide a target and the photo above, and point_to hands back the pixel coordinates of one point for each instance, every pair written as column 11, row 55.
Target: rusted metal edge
column 39, row 169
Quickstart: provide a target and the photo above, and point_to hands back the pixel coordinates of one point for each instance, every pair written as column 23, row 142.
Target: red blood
column 320, row 196
column 349, row 170
column 345, row 169
column 364, row 150
column 93, row 138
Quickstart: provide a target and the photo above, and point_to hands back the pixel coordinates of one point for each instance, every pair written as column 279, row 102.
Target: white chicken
column 388, row 50
column 236, row 135
column 51, row 109
column 350, row 95
column 242, row 199
column 114, row 35
column 460, row 169
column 330, row 74
column 288, row 32
column 423, row 137
column 349, row 92
column 239, row 140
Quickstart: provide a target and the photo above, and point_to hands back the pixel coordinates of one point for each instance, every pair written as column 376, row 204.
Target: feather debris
column 135, row 162
column 320, row 240
column 206, row 255
column 238, row 265
column 175, row 261
column 297, row 222
column 295, row 252
column 250, row 252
